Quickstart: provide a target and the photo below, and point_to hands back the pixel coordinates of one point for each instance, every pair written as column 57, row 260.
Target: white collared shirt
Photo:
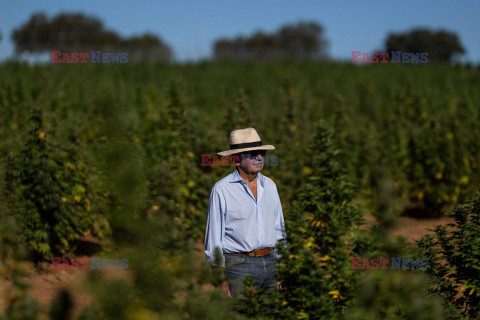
column 237, row 222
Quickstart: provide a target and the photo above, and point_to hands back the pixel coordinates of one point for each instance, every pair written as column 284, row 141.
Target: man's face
column 252, row 161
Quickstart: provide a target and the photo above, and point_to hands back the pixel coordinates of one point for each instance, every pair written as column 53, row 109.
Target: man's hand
column 226, row 288
column 224, row 285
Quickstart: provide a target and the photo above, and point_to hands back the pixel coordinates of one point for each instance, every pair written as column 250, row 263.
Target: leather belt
column 254, row 253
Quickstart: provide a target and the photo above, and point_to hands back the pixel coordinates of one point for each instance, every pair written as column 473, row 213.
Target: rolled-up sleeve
column 215, row 228
column 280, row 233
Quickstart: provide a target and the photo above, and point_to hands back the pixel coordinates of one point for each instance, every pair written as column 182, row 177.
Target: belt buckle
column 258, row 251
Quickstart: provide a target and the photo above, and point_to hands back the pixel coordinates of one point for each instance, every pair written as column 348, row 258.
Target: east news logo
column 96, row 57
column 83, row 263
column 381, row 263
column 396, row 57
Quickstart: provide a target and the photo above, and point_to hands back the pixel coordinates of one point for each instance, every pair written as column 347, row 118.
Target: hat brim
column 234, row 151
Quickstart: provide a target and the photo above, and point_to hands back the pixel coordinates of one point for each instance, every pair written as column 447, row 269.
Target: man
column 245, row 218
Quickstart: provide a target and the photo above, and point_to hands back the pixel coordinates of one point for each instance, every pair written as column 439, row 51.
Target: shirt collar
column 235, row 176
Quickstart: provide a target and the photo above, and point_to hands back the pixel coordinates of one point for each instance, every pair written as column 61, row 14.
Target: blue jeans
column 262, row 269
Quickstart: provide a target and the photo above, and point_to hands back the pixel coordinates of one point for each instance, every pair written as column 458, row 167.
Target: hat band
column 246, row 145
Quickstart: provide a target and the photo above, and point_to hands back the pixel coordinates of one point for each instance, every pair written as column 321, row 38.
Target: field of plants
column 114, row 151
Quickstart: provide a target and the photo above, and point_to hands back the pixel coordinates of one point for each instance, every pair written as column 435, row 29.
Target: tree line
column 80, row 32
column 302, row 40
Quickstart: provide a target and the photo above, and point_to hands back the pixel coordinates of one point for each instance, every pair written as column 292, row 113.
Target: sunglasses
column 255, row 153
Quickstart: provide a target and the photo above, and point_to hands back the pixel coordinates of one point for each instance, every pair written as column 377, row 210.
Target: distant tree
column 66, row 31
column 261, row 45
column 147, row 47
column 303, row 40
column 441, row 46
column 80, row 32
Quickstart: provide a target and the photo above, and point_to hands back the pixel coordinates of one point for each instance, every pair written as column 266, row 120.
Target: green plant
column 453, row 252
column 391, row 293
column 48, row 192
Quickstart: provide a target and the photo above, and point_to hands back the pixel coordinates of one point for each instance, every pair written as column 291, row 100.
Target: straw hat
column 242, row 140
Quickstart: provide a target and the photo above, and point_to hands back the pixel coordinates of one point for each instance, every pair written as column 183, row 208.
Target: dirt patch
column 410, row 228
